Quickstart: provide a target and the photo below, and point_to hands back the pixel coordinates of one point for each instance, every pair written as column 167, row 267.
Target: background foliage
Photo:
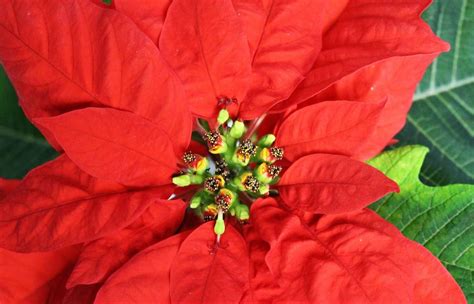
column 21, row 146
column 440, row 218
column 442, row 118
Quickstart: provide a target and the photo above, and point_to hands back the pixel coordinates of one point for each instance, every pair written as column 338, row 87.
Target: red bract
column 31, row 277
column 348, row 258
column 101, row 257
column 111, row 89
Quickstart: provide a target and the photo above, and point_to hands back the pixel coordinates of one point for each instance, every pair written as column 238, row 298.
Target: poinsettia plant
column 213, row 151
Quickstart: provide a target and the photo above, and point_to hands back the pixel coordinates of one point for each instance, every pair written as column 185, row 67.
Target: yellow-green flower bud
column 264, row 190
column 242, row 212
column 237, row 130
column 182, row 180
column 223, row 116
column 186, row 180
column 195, row 201
column 267, row 140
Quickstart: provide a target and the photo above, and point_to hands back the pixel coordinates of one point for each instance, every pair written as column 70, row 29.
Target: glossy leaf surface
column 146, row 277
column 326, row 183
column 440, row 218
column 204, row 272
column 100, row 258
column 335, row 127
column 115, row 145
column 354, row 257
column 57, row 205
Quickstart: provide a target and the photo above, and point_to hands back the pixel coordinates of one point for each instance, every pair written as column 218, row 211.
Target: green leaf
column 440, row 218
column 442, row 116
column 21, row 146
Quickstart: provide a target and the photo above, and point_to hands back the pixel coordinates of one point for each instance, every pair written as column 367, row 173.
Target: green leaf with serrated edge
column 442, row 116
column 21, row 146
column 440, row 218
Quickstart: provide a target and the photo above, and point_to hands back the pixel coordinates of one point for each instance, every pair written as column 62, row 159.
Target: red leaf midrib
column 336, row 259
column 79, row 200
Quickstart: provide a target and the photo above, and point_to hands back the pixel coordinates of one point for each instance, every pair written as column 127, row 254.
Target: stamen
column 212, row 139
column 189, row 157
column 223, row 201
column 277, row 153
column 251, row 184
column 247, row 148
column 222, row 168
column 215, row 142
column 210, row 212
column 274, row 171
column 213, row 183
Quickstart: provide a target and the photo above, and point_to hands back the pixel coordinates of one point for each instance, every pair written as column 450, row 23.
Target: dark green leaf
column 442, row 116
column 440, row 218
column 21, row 146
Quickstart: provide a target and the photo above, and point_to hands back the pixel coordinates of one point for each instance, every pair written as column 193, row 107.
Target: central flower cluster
column 238, row 169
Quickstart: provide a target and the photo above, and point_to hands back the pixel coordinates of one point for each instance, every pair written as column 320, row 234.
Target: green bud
column 223, row 116
column 238, row 129
column 242, row 212
column 267, row 140
column 196, row 179
column 186, row 180
column 182, row 180
column 219, row 227
column 264, row 189
column 195, row 201
column 237, row 181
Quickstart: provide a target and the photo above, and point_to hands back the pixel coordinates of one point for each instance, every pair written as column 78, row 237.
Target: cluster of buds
column 237, row 170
